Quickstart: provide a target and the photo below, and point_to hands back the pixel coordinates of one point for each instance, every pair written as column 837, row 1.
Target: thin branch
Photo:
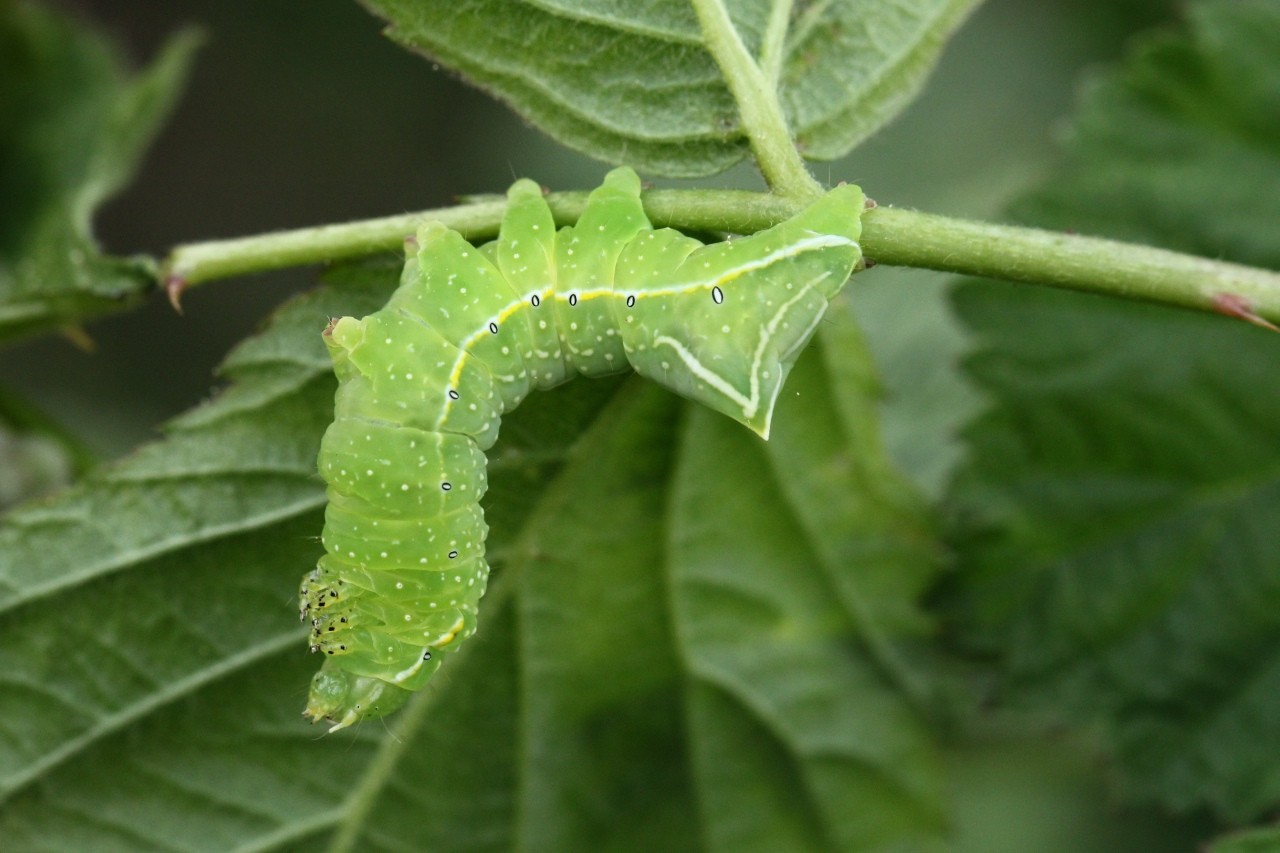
column 890, row 236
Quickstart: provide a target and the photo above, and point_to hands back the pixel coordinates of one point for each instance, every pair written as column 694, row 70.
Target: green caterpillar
column 424, row 382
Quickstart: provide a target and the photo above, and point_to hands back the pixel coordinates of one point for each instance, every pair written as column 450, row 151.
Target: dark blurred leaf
column 1117, row 517
column 73, row 125
column 631, row 83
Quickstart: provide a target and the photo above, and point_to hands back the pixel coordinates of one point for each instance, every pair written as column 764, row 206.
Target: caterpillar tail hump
column 424, row 382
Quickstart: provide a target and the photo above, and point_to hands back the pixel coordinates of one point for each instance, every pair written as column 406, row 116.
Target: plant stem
column 1091, row 264
column 733, row 211
column 890, row 236
column 758, row 104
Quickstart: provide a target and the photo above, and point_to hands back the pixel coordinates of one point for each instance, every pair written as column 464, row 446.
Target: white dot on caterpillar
column 399, row 584
column 724, row 329
column 404, row 487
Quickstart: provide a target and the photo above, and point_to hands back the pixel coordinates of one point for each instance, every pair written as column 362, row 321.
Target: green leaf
column 1171, row 149
column 1116, row 519
column 73, row 125
column 631, row 82
column 683, row 622
column 1251, row 841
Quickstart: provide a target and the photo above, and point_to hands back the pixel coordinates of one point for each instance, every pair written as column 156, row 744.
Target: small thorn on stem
column 1235, row 305
column 79, row 337
column 174, row 287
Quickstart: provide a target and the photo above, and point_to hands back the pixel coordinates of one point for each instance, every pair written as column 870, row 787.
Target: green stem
column 733, row 211
column 758, row 104
column 890, row 236
column 774, row 45
column 1091, row 264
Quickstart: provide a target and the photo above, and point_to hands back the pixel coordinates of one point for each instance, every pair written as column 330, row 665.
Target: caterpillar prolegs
column 423, row 384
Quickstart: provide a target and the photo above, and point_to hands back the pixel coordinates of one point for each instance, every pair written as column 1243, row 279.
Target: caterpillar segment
column 469, row 333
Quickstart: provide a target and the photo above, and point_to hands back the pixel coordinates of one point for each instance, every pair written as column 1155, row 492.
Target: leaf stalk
column 757, row 98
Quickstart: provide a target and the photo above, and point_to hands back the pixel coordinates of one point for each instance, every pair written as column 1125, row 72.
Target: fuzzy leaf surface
column 1117, row 516
column 631, row 82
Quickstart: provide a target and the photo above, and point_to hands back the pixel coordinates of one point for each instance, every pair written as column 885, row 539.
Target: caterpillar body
column 424, row 381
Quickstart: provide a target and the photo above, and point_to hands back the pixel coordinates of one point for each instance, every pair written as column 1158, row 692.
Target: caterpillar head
column 344, row 698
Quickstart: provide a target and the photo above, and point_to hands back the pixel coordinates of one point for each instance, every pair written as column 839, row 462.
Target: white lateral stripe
column 817, row 241
column 710, row 377
column 766, row 334
column 750, row 404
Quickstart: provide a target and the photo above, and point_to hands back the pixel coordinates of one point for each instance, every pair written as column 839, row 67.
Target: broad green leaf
column 631, row 82
column 73, row 125
column 1118, row 512
column 683, row 622
column 1177, row 147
